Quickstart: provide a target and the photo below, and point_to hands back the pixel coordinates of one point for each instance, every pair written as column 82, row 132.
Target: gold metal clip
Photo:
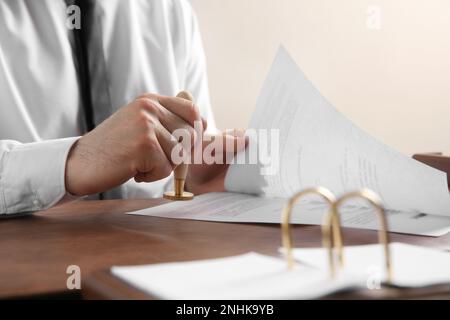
column 328, row 228
column 383, row 235
column 331, row 228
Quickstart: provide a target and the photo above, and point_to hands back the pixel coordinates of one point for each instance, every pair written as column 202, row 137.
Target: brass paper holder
column 331, row 228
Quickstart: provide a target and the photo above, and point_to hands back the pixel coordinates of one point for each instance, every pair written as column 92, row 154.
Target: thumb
column 235, row 142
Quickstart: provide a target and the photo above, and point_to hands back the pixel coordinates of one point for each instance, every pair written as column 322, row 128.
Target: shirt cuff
column 33, row 175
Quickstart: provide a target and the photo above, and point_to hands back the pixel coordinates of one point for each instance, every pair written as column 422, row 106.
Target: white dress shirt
column 149, row 46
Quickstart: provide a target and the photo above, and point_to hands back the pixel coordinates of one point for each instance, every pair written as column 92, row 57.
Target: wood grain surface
column 35, row 251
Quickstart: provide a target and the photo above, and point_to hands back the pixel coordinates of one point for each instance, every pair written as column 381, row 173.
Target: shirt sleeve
column 32, row 175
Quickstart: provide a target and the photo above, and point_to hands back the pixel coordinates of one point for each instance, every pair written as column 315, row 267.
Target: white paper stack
column 256, row 276
column 248, row 276
column 412, row 266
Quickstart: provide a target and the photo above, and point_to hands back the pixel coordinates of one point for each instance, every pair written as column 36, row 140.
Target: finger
column 177, row 126
column 160, row 168
column 176, row 152
column 234, row 143
column 205, row 124
column 226, row 148
column 183, row 108
column 235, row 132
column 152, row 176
column 230, row 142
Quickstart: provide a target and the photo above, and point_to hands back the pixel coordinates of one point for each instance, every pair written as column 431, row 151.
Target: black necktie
column 92, row 72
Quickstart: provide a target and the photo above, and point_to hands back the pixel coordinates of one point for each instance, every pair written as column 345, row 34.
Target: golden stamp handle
column 180, row 171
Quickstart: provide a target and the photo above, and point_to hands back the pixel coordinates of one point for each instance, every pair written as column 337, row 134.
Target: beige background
column 388, row 72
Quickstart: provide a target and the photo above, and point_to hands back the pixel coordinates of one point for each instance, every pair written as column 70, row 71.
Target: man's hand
column 203, row 178
column 136, row 142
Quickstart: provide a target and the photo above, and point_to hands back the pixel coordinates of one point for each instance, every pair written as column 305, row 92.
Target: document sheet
column 318, row 146
column 238, row 207
column 256, row 276
column 248, row 276
column 321, row 147
column 412, row 266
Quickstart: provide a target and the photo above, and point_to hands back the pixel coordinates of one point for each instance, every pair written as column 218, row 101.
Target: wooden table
column 35, row 251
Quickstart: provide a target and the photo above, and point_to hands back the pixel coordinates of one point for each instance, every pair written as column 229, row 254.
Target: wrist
column 78, row 176
column 70, row 180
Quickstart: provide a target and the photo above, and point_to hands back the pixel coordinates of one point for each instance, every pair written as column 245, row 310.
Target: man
column 115, row 78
